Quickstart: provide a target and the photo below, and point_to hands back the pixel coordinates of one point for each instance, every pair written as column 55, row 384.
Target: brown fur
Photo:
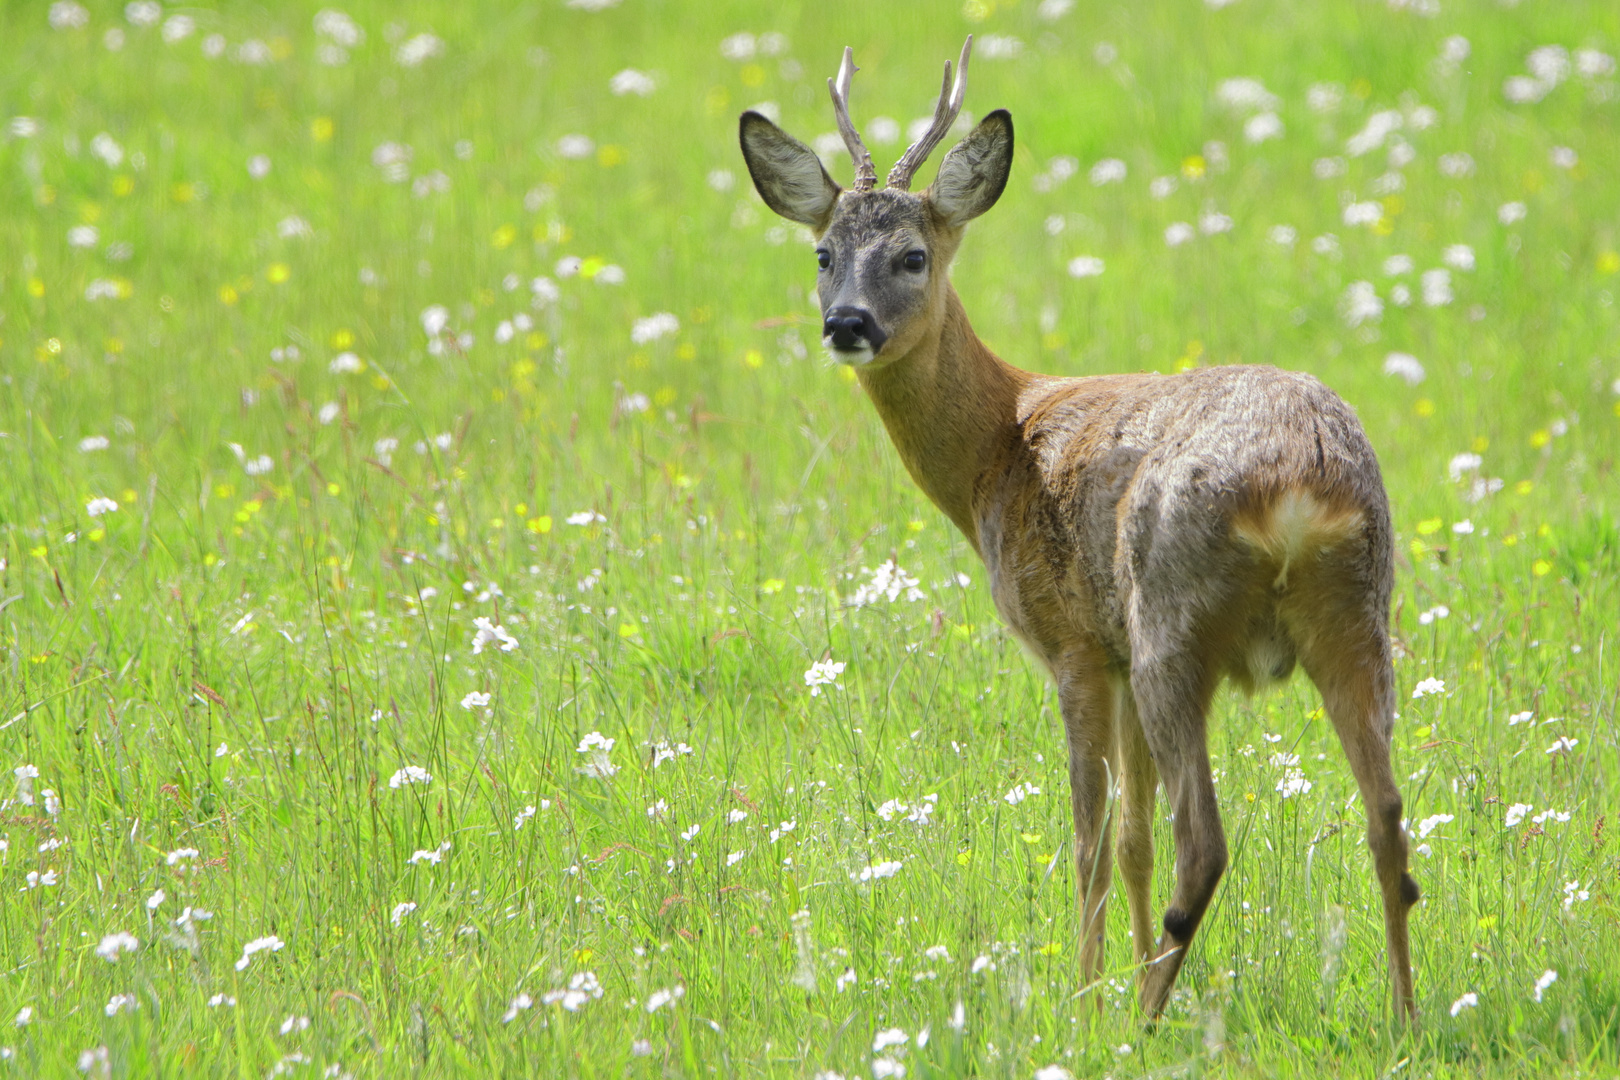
column 1145, row 536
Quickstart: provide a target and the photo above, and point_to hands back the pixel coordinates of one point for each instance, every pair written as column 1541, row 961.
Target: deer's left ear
column 974, row 174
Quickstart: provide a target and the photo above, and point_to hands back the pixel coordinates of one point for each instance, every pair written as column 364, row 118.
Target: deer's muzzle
column 851, row 329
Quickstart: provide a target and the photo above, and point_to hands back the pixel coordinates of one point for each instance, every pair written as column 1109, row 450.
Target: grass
column 242, row 658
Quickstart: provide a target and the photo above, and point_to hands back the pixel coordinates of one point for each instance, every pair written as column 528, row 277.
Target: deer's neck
column 951, row 408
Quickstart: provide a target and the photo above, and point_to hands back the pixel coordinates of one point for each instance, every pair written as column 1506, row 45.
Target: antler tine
column 945, row 113
column 865, row 174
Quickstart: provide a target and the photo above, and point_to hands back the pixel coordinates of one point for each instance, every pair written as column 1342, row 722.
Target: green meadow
column 455, row 621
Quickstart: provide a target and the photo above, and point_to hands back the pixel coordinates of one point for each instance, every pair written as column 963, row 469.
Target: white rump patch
column 1295, row 523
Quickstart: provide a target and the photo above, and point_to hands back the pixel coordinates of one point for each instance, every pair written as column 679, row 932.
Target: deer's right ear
column 787, row 174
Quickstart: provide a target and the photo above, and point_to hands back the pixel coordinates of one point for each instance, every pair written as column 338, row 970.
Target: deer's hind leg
column 1338, row 626
column 1172, row 683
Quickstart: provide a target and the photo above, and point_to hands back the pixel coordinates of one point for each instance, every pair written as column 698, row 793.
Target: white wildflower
column 1379, row 127
column 1293, row 783
column 1363, row 213
column 475, row 700
column 1084, row 266
column 486, row 632
column 1593, row 64
column 1546, row 980
column 877, row 871
column 1456, row 165
column 1429, row 824
column 1245, row 95
column 1360, row 304
column 428, row 856
column 582, row 989
column 659, row 998
column 1515, row 814
column 1108, row 171
column 888, row 582
column 270, row 943
column 100, row 505
column 1467, row 1001
column 415, row 50
column 596, row 747
column 115, row 945
column 999, row 47
column 401, row 910
column 645, row 331
column 1178, row 233
column 1019, row 792
column 68, row 15
column 410, row 774
column 1261, row 128
column 1549, row 63
column 1427, row 687
column 1439, row 611
column 665, row 751
column 575, row 146
column 823, row 673
column 631, row 81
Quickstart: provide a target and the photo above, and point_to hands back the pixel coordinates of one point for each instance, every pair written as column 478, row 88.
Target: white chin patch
column 853, row 358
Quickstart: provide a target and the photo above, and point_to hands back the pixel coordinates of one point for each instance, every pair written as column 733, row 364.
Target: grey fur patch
column 787, row 174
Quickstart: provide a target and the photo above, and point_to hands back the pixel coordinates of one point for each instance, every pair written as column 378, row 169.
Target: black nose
column 850, row 328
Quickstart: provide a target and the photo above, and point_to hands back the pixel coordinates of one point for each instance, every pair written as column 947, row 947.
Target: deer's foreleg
column 1089, row 697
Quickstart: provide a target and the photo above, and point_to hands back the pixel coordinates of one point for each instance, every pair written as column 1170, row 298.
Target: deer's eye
column 915, row 260
column 823, row 258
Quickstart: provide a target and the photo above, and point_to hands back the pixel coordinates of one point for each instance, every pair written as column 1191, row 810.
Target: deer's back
column 1214, row 488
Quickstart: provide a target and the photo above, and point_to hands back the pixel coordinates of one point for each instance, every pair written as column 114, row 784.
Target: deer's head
column 883, row 256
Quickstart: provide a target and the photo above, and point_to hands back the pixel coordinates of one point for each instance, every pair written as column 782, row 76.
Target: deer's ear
column 787, row 174
column 974, row 174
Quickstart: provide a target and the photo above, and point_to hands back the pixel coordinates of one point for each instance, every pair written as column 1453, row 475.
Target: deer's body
column 1144, row 535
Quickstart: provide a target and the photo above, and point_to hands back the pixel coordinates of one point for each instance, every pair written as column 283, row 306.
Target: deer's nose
column 850, row 328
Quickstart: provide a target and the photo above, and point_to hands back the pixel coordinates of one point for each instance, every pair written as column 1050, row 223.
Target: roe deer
column 1143, row 534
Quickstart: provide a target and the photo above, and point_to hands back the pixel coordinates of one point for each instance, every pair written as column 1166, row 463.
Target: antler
column 865, row 175
column 950, row 104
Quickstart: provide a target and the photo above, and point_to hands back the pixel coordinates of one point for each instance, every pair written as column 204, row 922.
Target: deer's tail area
column 1293, row 525
column 1289, row 532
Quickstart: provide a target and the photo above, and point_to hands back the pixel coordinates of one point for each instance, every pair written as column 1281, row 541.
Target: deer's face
column 880, row 271
column 883, row 256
